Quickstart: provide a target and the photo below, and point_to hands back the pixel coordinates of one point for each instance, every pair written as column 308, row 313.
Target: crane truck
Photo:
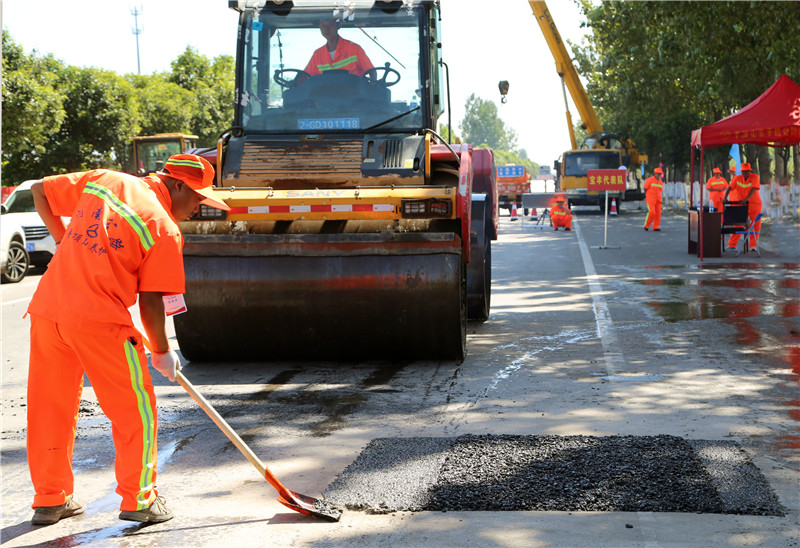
column 355, row 230
column 600, row 149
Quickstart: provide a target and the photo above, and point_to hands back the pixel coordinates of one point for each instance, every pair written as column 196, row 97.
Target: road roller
column 356, row 231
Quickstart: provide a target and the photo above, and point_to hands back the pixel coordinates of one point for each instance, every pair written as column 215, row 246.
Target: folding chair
column 734, row 219
column 751, row 230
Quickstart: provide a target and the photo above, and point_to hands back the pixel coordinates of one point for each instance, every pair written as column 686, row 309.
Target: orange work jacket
column 653, row 188
column 121, row 240
column 740, row 188
column 717, row 183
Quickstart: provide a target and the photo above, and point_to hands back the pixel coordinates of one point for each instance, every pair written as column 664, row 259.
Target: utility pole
column 137, row 31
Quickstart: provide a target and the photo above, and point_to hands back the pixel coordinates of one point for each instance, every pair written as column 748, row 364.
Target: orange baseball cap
column 746, row 167
column 716, row 170
column 196, row 172
column 658, row 170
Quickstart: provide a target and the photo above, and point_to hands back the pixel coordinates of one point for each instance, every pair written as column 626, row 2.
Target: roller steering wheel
column 372, row 75
column 283, row 82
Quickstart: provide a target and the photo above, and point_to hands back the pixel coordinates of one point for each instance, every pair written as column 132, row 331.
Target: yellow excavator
column 600, row 149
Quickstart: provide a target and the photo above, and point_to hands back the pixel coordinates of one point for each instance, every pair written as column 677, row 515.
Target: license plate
column 314, row 124
column 30, row 247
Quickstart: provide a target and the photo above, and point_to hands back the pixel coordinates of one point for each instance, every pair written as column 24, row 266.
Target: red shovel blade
column 311, row 506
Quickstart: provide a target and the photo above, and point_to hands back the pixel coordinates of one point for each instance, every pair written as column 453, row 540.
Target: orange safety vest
column 653, row 188
column 741, row 187
column 717, row 183
column 349, row 56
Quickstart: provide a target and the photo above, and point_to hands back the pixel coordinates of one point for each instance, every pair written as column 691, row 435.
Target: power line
column 136, row 12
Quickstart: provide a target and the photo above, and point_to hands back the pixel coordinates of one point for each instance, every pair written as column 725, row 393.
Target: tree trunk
column 764, row 165
column 796, row 162
column 782, row 156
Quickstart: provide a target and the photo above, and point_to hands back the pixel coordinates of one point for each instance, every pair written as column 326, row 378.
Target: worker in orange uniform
column 337, row 53
column 653, row 188
column 123, row 241
column 560, row 214
column 745, row 189
column 717, row 185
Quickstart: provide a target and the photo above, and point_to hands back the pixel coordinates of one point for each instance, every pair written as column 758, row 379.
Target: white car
column 24, row 240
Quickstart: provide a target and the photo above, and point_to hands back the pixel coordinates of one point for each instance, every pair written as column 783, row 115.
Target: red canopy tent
column 772, row 120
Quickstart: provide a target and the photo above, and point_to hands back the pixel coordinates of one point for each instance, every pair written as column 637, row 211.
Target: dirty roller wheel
column 479, row 270
column 330, row 297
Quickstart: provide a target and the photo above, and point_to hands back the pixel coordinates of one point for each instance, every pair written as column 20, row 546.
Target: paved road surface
column 644, row 340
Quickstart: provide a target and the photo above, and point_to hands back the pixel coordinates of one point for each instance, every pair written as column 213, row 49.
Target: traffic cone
column 514, row 216
column 534, row 215
column 613, row 207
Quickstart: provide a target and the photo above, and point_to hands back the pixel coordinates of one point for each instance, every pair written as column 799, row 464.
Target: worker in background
column 560, row 215
column 337, row 53
column 123, row 241
column 745, row 190
column 653, row 188
column 717, row 185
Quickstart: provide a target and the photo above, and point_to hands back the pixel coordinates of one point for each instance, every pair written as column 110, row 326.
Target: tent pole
column 700, row 209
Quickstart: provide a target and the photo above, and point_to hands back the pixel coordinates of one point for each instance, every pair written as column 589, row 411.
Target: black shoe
column 48, row 515
column 156, row 513
column 646, row 229
column 656, row 230
column 568, row 228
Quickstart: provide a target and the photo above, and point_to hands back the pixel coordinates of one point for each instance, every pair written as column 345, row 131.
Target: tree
column 657, row 73
column 164, row 107
column 481, row 124
column 212, row 83
column 101, row 118
column 32, row 111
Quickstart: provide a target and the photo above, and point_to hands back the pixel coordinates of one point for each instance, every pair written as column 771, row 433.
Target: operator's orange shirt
column 122, row 240
column 740, row 188
column 349, row 56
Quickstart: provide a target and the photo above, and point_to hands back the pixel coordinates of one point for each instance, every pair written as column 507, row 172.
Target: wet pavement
column 643, row 340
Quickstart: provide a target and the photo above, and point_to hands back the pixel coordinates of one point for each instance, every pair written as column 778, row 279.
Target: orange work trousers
column 653, row 213
column 753, row 209
column 112, row 356
column 560, row 221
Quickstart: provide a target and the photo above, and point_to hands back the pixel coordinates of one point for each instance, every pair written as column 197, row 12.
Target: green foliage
column 212, row 84
column 658, row 71
column 59, row 118
column 32, row 111
column 481, row 124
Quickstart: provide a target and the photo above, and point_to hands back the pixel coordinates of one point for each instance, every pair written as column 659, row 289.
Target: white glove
column 167, row 363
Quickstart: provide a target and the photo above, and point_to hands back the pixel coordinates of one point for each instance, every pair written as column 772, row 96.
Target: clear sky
column 483, row 42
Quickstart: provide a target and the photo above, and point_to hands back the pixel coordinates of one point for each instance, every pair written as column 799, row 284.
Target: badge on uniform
column 174, row 304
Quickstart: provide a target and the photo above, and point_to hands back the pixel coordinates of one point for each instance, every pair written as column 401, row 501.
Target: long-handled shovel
column 297, row 502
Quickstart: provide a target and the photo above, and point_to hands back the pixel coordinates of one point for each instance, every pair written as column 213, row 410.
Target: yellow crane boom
column 566, row 70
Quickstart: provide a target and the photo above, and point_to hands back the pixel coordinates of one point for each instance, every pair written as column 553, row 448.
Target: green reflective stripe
column 148, row 426
column 339, row 64
column 190, row 163
column 657, row 185
column 743, row 185
column 558, row 212
column 128, row 214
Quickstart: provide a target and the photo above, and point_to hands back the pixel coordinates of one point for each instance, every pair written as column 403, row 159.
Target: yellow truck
column 601, row 149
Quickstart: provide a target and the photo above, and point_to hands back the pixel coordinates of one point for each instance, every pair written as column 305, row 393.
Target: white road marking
column 614, row 359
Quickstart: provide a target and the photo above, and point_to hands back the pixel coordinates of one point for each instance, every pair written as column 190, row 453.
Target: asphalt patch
column 554, row 473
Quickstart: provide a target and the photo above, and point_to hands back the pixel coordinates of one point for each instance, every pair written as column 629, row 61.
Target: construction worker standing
column 745, row 190
column 717, row 185
column 123, row 241
column 560, row 214
column 653, row 188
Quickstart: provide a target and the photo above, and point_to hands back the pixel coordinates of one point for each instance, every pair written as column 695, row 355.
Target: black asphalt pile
column 562, row 473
